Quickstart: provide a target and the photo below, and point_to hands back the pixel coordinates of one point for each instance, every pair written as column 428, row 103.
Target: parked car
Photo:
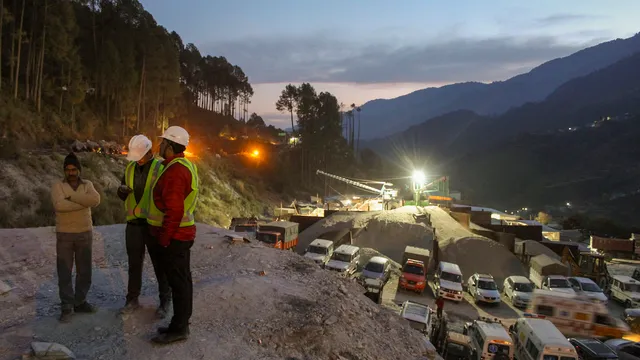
column 518, row 290
column 448, row 281
column 320, row 251
column 483, row 288
column 626, row 290
column 626, row 349
column 377, row 271
column 593, row 349
column 589, row 288
column 344, row 260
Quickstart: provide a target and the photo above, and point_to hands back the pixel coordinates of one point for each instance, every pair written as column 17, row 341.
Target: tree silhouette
column 288, row 101
column 112, row 60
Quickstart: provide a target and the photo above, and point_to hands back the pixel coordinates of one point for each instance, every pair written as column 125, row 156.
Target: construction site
column 300, row 285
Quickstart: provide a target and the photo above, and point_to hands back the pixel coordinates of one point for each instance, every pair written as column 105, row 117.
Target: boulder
column 92, row 145
column 78, row 146
column 4, row 287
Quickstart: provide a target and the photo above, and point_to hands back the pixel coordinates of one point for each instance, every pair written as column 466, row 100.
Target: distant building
column 547, row 231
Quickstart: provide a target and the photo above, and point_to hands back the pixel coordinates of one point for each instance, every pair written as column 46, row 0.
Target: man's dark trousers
column 137, row 238
column 177, row 265
column 72, row 248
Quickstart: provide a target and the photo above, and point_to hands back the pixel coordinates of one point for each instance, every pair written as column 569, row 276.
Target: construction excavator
column 585, row 264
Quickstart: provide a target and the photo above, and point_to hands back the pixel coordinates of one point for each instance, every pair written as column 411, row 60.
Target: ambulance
column 575, row 315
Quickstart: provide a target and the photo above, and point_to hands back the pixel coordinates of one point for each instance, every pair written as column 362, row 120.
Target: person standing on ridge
column 439, row 306
column 139, row 175
column 72, row 200
column 171, row 216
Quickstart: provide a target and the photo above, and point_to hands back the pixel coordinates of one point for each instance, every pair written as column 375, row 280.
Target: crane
column 385, row 192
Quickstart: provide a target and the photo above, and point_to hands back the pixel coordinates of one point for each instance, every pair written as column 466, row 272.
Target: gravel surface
column 294, row 311
column 473, row 253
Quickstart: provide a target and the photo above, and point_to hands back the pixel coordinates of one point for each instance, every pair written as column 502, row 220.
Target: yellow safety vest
column 156, row 216
column 140, row 210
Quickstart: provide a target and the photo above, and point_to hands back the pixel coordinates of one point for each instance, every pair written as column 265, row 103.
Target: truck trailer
column 279, row 234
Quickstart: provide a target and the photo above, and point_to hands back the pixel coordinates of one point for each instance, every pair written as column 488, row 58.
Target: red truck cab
column 279, row 234
column 413, row 276
column 414, row 269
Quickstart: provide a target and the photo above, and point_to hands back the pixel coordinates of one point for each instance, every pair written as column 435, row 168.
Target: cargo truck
column 415, row 262
column 279, row 234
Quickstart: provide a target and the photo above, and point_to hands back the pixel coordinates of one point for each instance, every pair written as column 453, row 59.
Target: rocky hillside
column 227, row 189
column 250, row 302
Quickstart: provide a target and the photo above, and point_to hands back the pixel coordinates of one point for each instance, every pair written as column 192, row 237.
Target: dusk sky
column 362, row 50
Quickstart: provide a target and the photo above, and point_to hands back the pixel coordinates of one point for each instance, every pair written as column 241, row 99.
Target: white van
column 539, row 339
column 448, row 281
column 489, row 338
column 344, row 259
column 320, row 251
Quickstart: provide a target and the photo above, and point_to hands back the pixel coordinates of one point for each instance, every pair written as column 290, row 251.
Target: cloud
column 323, row 59
column 564, row 18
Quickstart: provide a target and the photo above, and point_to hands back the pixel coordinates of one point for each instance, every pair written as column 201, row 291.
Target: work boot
column 65, row 315
column 170, row 337
column 163, row 309
column 86, row 308
column 130, row 307
column 165, row 330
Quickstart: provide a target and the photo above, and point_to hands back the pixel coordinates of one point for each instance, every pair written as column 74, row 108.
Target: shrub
column 21, row 200
column 110, row 211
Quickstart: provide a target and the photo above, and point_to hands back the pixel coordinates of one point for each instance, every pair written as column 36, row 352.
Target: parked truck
column 279, row 234
column 415, row 262
column 549, row 274
column 621, row 248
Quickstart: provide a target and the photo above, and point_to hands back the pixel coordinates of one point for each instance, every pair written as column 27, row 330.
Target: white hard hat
column 176, row 134
column 139, row 146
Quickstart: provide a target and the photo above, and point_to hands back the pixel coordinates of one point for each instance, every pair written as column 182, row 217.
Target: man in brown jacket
column 73, row 199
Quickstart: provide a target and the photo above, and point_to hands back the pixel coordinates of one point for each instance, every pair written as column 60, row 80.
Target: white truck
column 549, row 274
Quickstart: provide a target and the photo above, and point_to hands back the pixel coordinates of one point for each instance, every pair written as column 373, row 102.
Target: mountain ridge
column 493, row 98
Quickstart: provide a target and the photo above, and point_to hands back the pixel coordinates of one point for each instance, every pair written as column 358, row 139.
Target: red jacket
column 172, row 188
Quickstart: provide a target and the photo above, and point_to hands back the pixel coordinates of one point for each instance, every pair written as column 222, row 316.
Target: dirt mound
column 534, row 248
column 482, row 256
column 337, row 221
column 295, row 310
column 390, row 232
column 471, row 252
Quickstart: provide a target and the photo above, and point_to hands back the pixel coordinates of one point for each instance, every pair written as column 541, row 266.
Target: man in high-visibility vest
column 171, row 216
column 140, row 174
